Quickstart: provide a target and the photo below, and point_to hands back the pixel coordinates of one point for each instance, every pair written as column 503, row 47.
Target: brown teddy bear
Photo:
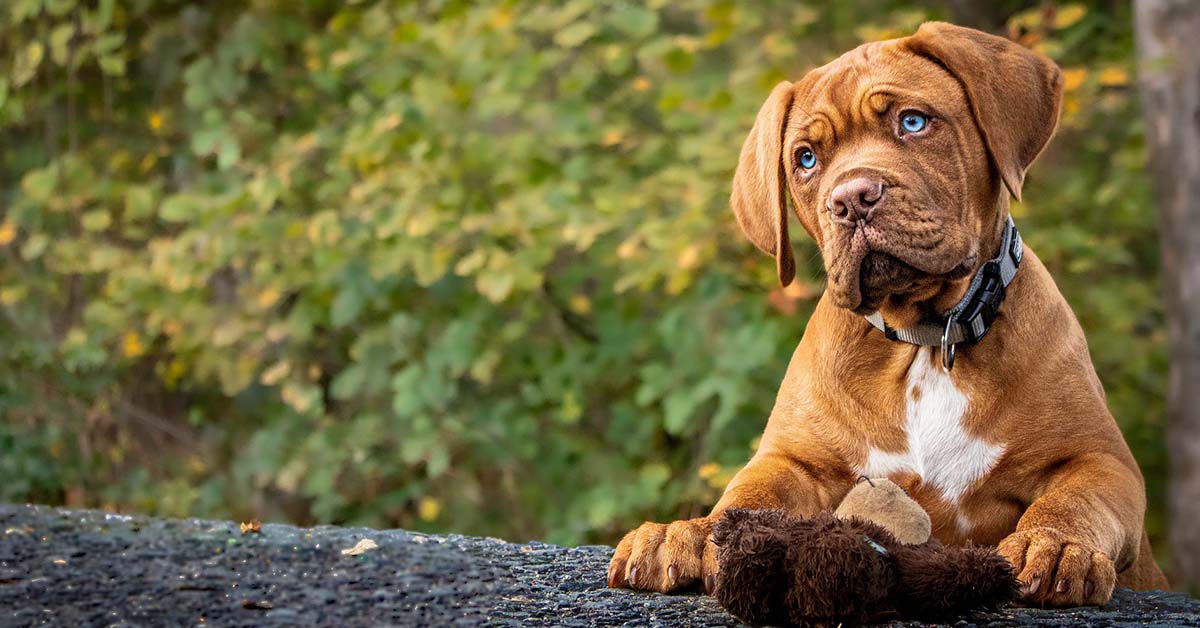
column 871, row 560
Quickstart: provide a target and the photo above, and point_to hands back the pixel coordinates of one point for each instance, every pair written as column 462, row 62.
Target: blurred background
column 467, row 267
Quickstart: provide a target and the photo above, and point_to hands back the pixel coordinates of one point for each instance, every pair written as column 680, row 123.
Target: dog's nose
column 855, row 199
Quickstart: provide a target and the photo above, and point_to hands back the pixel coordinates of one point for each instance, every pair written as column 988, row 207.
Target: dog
column 941, row 354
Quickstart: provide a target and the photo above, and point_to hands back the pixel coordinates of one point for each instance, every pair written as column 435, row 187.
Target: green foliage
column 450, row 266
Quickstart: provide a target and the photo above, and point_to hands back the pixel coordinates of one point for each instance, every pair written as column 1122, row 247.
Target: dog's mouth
column 883, row 276
column 872, row 265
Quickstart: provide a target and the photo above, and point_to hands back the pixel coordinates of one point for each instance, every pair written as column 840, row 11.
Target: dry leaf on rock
column 361, row 547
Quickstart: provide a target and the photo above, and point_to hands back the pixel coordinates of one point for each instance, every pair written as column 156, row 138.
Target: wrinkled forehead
column 868, row 81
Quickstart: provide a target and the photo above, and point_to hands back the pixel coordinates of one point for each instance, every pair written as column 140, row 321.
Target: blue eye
column 913, row 122
column 808, row 159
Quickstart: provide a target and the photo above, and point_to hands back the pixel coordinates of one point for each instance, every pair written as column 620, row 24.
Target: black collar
column 970, row 318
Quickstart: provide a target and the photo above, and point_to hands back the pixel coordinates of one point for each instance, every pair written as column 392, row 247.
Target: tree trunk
column 1168, row 43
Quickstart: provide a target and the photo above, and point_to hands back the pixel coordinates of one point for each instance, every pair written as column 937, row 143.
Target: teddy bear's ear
column 938, row 582
column 883, row 502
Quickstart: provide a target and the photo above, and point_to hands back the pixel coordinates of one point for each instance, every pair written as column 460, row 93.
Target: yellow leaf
column 494, row 285
column 254, row 526
column 580, row 304
column 11, row 294
column 96, row 220
column 690, row 257
column 687, row 43
column 175, row 371
column 1071, row 105
column 299, row 398
column 428, row 508
column 628, row 248
column 714, row 475
column 1114, row 76
column 131, row 345
column 1028, row 19
column 172, row 328
column 275, row 373
column 612, row 137
column 360, row 547
column 877, row 33
column 155, row 121
column 501, row 17
column 641, row 84
column 387, row 123
column 1073, row 78
column 267, row 298
column 8, row 231
column 421, row 224
column 1069, row 14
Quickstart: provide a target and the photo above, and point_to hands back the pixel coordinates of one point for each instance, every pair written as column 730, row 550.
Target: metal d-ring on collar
column 947, row 346
column 969, row 320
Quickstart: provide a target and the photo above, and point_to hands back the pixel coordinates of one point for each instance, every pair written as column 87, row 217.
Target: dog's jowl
column 941, row 355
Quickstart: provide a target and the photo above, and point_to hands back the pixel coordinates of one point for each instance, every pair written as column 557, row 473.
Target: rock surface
column 85, row 568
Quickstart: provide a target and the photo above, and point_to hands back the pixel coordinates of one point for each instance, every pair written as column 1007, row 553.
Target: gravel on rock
column 87, row 568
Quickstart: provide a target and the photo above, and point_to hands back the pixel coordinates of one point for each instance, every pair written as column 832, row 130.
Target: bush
column 448, row 266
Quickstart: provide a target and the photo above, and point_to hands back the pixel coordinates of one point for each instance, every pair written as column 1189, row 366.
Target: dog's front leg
column 680, row 556
column 1084, row 526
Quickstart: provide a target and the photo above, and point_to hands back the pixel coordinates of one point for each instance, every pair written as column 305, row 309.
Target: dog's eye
column 913, row 122
column 808, row 159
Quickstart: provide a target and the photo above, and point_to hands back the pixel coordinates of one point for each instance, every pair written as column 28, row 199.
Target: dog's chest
column 939, row 449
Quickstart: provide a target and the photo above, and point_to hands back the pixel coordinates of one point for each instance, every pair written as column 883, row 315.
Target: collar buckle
column 979, row 311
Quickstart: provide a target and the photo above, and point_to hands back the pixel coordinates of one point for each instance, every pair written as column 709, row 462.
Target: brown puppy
column 899, row 158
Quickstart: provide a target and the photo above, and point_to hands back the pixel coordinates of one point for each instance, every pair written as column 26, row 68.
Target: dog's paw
column 1055, row 570
column 666, row 558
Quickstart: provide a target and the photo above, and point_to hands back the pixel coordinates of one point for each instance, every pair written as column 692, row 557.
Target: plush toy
column 871, row 560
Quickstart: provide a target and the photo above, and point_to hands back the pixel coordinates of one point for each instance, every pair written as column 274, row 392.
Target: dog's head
column 899, row 157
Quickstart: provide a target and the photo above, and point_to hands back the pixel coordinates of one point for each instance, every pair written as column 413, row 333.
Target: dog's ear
column 1014, row 92
column 758, row 197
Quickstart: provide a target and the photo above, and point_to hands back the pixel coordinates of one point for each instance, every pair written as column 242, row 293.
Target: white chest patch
column 940, row 451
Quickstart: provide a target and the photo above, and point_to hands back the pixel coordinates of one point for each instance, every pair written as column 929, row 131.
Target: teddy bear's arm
column 937, row 582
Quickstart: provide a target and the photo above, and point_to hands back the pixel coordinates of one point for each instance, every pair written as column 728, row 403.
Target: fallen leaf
column 254, row 526
column 257, row 605
column 360, row 548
